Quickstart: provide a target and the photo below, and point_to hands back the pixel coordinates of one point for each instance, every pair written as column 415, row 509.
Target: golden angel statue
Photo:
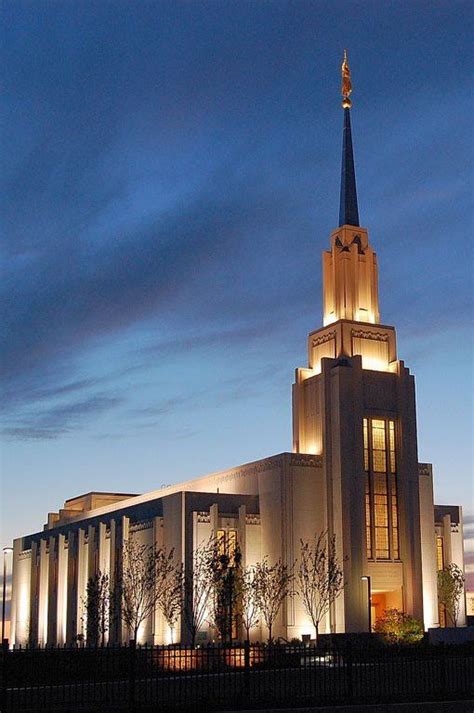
column 346, row 87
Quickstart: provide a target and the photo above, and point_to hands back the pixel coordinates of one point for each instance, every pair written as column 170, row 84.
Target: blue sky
column 170, row 177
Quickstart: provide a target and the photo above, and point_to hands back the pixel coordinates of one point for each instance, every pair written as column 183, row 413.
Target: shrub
column 395, row 627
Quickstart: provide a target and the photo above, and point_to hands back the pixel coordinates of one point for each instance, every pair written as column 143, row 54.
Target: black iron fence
column 179, row 678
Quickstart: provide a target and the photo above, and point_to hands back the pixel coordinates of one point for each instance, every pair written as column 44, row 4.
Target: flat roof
column 102, row 492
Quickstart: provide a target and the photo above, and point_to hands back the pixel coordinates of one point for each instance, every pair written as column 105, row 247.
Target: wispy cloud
column 60, row 419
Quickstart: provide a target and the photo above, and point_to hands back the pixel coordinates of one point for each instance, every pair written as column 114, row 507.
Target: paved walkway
column 437, row 707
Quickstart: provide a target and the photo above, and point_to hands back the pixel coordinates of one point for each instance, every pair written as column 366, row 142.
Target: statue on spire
column 346, row 87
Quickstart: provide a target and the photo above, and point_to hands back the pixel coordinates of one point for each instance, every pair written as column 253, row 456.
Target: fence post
column 246, row 669
column 349, row 672
column 4, row 676
column 132, row 647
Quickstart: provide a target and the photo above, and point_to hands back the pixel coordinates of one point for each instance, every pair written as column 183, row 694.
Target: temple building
column 353, row 472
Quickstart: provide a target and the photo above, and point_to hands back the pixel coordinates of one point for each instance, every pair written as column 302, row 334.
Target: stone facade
column 354, row 473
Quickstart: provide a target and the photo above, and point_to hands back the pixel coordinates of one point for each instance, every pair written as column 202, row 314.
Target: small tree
column 96, row 608
column 248, row 601
column 171, row 600
column 450, row 588
column 198, row 587
column 147, row 575
column 320, row 576
column 272, row 585
column 399, row 628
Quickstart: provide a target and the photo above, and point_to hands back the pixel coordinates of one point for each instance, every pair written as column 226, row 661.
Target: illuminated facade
column 354, row 472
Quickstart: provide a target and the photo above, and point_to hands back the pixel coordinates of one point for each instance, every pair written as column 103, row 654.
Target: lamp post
column 5, row 552
column 369, row 601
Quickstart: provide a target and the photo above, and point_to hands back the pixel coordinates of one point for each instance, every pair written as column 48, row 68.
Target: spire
column 348, row 210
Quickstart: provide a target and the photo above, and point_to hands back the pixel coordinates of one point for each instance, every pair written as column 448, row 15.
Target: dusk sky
column 170, row 177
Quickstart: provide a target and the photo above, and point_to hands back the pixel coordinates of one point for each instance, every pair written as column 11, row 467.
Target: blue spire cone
column 348, row 209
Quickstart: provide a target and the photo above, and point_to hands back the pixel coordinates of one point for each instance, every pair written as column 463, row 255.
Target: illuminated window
column 226, row 543
column 381, row 516
column 220, row 541
column 227, row 611
column 368, row 526
column 366, row 445
column 231, row 543
column 439, row 553
column 395, row 544
column 391, row 440
column 378, row 446
column 381, row 502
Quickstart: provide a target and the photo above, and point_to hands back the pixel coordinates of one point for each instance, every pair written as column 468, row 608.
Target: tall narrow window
column 221, row 544
column 231, row 543
column 395, row 545
column 391, row 439
column 366, row 445
column 381, row 503
column 381, row 516
column 439, row 553
column 378, row 446
column 368, row 526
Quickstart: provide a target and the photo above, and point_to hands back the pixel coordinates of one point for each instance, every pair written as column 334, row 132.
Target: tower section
column 354, row 404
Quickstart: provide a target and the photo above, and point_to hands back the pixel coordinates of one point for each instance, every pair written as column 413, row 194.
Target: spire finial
column 348, row 208
column 346, row 86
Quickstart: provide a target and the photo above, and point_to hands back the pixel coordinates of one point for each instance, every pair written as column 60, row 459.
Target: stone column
column 81, row 579
column 242, row 534
column 91, row 553
column 118, row 533
column 17, row 549
column 62, row 562
column 101, row 546
column 409, row 494
column 34, row 594
column 71, row 594
column 52, row 591
column 158, row 621
column 43, row 595
column 214, row 513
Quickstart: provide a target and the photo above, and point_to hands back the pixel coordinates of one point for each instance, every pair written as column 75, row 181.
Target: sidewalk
column 429, row 707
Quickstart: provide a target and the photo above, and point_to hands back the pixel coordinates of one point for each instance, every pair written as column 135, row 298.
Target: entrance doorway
column 383, row 600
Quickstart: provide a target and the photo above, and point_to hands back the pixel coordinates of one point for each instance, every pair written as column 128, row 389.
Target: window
column 439, row 553
column 381, row 503
column 227, row 609
column 366, row 445
column 378, row 446
column 226, row 543
column 391, row 436
column 395, row 544
column 368, row 527
column 382, row 550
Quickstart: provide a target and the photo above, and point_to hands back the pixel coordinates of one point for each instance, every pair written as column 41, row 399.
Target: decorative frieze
column 306, row 461
column 374, row 336
column 141, row 525
column 203, row 517
column 323, row 338
column 424, row 469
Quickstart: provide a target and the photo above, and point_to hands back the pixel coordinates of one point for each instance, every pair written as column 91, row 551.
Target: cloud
column 60, row 419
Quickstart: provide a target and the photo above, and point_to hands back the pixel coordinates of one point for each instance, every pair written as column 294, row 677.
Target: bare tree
column 147, row 575
column 226, row 578
column 248, row 600
column 198, row 587
column 450, row 587
column 96, row 608
column 171, row 600
column 272, row 585
column 320, row 576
